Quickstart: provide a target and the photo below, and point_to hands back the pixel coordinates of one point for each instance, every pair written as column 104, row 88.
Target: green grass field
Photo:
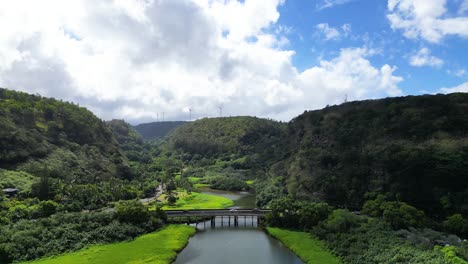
column 199, row 201
column 309, row 249
column 249, row 182
column 160, row 247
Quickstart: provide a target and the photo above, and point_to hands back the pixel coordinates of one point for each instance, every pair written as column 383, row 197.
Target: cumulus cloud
column 426, row 19
column 424, row 58
column 137, row 59
column 462, row 88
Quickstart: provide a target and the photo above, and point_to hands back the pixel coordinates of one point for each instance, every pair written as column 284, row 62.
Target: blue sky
column 135, row 59
column 370, row 27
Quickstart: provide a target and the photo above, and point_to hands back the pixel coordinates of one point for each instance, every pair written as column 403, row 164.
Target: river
column 233, row 245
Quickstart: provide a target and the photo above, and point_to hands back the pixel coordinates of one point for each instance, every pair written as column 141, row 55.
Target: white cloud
column 463, row 7
column 350, row 73
column 458, row 73
column 346, row 29
column 324, row 4
column 425, row 19
column 423, row 58
column 328, row 32
column 135, row 59
column 462, row 88
column 331, row 33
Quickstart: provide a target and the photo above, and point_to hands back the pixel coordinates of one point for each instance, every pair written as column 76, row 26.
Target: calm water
column 226, row 244
column 235, row 245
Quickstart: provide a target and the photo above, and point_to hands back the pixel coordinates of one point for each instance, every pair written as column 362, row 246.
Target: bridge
column 212, row 214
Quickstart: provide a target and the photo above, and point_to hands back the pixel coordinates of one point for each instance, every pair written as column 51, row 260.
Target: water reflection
column 229, row 244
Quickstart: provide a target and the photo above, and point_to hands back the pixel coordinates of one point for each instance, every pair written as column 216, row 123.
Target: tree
column 132, row 211
column 456, row 224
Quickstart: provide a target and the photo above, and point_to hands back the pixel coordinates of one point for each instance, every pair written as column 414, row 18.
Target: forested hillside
column 230, row 137
column 69, row 169
column 157, row 130
column 47, row 137
column 414, row 149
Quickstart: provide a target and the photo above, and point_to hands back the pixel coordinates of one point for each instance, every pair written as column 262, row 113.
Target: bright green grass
column 200, row 201
column 160, row 247
column 309, row 249
column 194, row 179
column 200, row 185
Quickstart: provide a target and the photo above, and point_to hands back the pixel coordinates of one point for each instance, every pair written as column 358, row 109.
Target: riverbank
column 309, row 249
column 196, row 200
column 160, row 247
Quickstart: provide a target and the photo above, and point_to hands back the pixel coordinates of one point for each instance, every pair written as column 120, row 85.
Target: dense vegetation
column 160, row 247
column 362, row 239
column 401, row 162
column 157, row 130
column 309, row 249
column 27, row 239
column 393, row 145
column 50, row 138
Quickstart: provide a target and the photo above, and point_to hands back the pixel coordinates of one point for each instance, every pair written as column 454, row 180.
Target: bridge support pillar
column 213, row 221
column 236, row 221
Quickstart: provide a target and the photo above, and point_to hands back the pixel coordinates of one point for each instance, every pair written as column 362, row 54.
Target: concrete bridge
column 255, row 215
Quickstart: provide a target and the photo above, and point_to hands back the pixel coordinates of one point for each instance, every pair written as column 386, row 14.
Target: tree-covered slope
column 415, row 148
column 50, row 138
column 230, row 137
column 156, row 130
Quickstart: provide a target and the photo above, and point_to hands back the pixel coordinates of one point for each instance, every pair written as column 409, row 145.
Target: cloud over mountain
column 135, row 59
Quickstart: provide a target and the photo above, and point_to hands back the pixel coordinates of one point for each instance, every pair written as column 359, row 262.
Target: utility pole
column 220, row 110
column 345, row 98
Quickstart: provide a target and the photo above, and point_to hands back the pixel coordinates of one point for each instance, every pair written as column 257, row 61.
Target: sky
column 141, row 59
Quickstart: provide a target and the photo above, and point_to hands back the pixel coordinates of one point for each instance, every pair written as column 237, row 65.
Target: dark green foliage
column 359, row 239
column 269, row 190
column 372, row 242
column 77, row 146
column 30, row 239
column 397, row 214
column 341, row 220
column 230, row 139
column 415, row 147
column 456, row 224
column 288, row 213
column 228, row 184
column 157, row 130
column 132, row 211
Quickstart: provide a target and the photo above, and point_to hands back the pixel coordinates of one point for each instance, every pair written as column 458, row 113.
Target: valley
column 377, row 181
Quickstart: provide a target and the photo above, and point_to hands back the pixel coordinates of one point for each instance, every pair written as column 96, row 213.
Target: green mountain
column 413, row 148
column 230, row 138
column 45, row 137
column 156, row 130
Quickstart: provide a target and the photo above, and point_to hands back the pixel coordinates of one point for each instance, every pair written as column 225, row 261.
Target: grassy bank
column 309, row 249
column 199, row 201
column 160, row 247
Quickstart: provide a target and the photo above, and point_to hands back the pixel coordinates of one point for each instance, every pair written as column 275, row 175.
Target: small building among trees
column 10, row 192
